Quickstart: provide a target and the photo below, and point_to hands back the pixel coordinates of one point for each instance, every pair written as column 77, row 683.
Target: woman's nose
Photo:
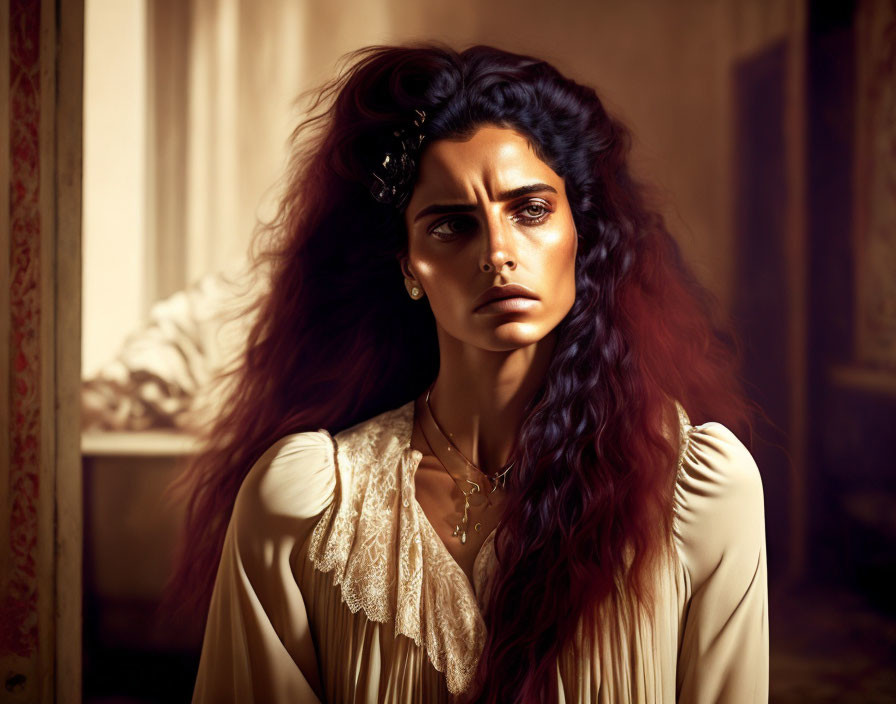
column 496, row 245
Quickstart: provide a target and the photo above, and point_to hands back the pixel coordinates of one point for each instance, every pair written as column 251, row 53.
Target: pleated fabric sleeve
column 720, row 531
column 258, row 644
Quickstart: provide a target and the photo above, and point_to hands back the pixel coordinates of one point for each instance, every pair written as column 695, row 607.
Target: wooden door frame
column 41, row 99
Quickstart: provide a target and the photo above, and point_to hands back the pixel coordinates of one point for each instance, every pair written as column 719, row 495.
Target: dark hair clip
column 393, row 178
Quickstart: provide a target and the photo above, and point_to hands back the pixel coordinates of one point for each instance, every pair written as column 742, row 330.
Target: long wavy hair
column 336, row 340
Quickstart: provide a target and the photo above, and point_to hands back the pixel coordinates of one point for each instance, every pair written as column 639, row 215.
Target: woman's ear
column 404, row 263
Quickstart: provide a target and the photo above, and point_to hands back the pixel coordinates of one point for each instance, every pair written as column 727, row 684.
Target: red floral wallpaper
column 18, row 610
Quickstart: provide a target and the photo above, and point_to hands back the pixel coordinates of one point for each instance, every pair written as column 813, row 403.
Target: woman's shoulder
column 295, row 478
column 298, row 475
column 719, row 504
column 714, row 460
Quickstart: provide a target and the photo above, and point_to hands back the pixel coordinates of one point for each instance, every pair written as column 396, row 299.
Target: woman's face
column 488, row 212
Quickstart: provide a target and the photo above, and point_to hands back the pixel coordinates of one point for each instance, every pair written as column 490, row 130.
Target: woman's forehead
column 496, row 158
column 487, row 143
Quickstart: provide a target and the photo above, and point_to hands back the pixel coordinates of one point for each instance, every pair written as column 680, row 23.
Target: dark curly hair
column 337, row 340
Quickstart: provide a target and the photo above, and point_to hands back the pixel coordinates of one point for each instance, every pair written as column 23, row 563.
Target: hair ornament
column 394, row 176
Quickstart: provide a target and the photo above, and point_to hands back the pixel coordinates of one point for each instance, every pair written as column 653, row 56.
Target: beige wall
column 664, row 67
column 114, row 174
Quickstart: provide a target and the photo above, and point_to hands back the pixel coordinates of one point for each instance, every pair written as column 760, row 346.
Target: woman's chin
column 512, row 334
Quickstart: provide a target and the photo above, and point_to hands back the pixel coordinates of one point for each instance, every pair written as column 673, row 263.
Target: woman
column 420, row 492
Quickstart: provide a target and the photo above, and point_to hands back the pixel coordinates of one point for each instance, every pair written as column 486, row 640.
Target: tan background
column 221, row 77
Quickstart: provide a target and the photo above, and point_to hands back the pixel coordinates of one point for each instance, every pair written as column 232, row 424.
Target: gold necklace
column 449, row 454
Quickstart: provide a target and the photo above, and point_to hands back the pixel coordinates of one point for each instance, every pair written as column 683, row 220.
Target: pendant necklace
column 466, row 475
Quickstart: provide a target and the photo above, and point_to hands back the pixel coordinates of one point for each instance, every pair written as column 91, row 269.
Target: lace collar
column 386, row 556
column 388, row 559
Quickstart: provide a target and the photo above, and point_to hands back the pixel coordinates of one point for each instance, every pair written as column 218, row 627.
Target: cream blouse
column 333, row 586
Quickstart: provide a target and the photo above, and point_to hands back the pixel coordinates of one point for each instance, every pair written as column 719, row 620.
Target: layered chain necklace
column 466, row 475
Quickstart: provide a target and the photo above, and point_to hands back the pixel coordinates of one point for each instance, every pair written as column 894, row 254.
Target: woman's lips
column 516, row 304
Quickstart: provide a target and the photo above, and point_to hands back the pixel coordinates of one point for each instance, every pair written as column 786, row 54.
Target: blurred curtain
column 222, row 78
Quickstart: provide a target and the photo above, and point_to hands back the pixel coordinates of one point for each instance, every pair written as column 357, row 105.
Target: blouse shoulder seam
column 684, row 438
column 281, row 456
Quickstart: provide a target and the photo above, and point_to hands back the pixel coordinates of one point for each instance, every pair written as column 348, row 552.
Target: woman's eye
column 530, row 214
column 444, row 230
column 534, row 212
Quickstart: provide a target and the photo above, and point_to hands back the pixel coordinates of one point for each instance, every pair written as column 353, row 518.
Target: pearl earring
column 413, row 289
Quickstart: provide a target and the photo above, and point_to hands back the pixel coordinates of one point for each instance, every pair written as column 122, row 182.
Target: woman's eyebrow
column 467, row 208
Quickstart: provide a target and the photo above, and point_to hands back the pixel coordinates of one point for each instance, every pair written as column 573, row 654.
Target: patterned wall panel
column 875, row 194
column 19, row 605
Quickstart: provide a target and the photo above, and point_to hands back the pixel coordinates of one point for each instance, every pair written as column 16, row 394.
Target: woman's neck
column 480, row 396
